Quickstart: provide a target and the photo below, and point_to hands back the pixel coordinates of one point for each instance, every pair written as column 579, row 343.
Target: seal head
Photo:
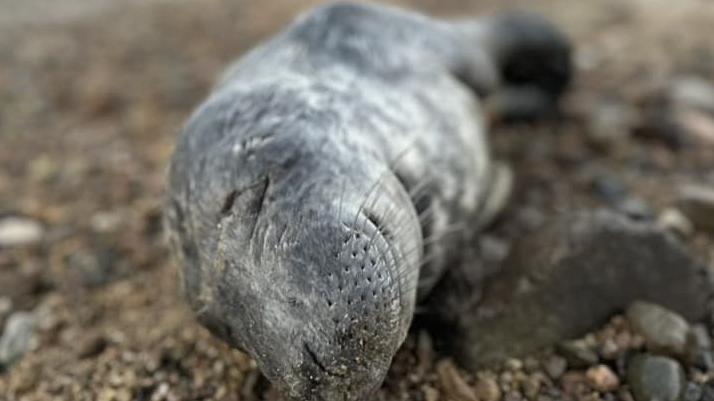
column 315, row 276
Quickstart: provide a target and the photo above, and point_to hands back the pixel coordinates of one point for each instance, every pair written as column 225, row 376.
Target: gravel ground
column 92, row 95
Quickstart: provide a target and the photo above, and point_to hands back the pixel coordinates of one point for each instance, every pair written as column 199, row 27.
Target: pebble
column 697, row 203
column 699, row 348
column 555, row 366
column 486, row 388
column 609, row 350
column 105, row 222
column 91, row 346
column 513, row 396
column 610, row 187
column 673, row 220
column 602, row 378
column 664, row 331
column 453, row 384
column 692, row 92
column 577, row 354
column 655, row 378
column 531, row 386
column 692, row 392
column 697, row 125
column 17, row 337
column 609, row 122
column 430, row 393
column 636, row 208
column 574, row 382
column 707, row 391
column 19, row 231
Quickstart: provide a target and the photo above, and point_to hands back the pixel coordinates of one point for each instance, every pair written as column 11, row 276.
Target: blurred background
column 93, row 93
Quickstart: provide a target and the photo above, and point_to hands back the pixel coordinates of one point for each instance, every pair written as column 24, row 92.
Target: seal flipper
column 532, row 58
column 497, row 195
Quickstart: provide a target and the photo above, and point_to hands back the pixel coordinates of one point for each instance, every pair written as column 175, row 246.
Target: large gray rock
column 570, row 277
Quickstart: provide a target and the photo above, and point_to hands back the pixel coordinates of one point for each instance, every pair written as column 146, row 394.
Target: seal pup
column 335, row 172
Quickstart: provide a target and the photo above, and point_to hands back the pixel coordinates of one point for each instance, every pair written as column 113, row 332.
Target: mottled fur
column 329, row 180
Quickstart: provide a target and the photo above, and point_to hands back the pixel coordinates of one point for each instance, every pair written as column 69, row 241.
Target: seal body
column 327, row 183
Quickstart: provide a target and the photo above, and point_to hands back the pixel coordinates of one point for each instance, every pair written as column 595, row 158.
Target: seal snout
column 367, row 298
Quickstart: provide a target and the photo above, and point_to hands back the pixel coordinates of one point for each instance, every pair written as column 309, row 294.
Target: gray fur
column 325, row 185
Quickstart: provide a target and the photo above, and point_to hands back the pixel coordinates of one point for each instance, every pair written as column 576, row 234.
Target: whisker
column 342, row 198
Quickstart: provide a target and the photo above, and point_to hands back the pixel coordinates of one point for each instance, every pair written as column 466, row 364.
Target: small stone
column 635, row 208
column 655, row 378
column 555, row 366
column 602, row 378
column 675, row 221
column 514, row 364
column 486, row 387
column 697, row 203
column 19, row 231
column 692, row 392
column 699, row 348
column 610, row 187
column 531, row 386
column 692, row 92
column 577, row 354
column 574, row 382
column 513, row 396
column 609, row 122
column 453, row 384
column 505, row 378
column 698, row 125
column 664, row 331
column 707, row 391
column 430, row 393
column 107, row 221
column 16, row 338
column 609, row 350
column 91, row 346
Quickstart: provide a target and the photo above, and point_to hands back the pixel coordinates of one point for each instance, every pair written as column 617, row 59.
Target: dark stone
column 699, row 348
column 708, row 391
column 656, row 378
column 697, row 202
column 555, row 366
column 610, row 187
column 570, row 276
column 692, row 392
column 577, row 354
column 636, row 208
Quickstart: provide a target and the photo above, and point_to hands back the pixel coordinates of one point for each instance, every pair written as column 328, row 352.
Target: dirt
column 91, row 98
